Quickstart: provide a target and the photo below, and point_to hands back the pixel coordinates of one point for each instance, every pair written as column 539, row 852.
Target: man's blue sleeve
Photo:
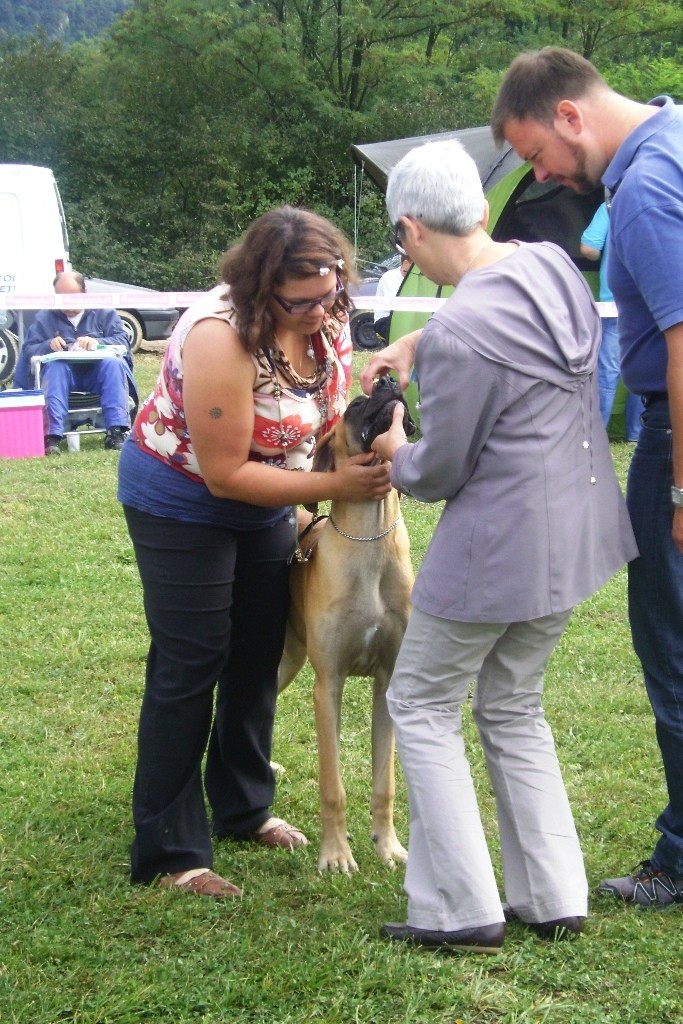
column 36, row 343
column 112, row 330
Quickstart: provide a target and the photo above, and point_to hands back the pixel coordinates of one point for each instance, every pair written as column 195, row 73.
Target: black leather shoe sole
column 486, row 939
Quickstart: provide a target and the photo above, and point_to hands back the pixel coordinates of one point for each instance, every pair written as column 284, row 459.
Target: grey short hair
column 439, row 184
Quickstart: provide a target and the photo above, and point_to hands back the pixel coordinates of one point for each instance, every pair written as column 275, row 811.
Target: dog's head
column 365, row 418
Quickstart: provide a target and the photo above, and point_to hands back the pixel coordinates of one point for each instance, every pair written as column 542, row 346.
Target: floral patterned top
column 287, row 420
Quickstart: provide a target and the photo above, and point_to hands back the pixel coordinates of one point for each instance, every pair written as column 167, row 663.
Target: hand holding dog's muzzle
column 385, row 445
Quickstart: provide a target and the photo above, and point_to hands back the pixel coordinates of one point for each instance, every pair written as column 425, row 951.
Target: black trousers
column 216, row 603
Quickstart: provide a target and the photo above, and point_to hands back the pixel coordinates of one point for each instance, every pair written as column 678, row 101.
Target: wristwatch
column 677, row 496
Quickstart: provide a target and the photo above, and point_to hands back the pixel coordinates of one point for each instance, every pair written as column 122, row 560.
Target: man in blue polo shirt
column 558, row 113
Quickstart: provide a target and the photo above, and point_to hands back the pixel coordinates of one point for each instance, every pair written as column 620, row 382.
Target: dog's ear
column 323, row 457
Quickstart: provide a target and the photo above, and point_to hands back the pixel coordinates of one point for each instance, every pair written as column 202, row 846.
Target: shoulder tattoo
column 215, row 412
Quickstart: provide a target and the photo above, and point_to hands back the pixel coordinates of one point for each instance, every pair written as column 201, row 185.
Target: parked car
column 362, row 321
column 141, row 324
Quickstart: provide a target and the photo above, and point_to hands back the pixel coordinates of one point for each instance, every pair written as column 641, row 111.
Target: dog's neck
column 366, row 518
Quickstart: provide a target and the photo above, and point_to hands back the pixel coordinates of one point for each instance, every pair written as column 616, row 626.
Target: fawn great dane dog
column 349, row 608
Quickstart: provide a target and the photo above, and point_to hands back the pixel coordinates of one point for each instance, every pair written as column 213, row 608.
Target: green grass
column 79, row 945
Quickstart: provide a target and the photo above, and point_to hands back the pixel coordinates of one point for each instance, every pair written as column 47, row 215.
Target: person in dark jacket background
column 77, row 330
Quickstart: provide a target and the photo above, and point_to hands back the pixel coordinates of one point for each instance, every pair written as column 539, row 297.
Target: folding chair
column 85, row 409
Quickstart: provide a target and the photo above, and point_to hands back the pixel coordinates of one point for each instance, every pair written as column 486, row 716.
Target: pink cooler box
column 21, row 424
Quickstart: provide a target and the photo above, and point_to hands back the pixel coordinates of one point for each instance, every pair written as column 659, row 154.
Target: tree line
column 172, row 129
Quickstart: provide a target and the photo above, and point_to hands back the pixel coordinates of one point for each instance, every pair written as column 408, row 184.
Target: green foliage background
column 173, row 128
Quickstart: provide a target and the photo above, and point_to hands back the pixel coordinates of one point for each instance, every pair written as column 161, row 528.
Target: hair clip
column 323, row 271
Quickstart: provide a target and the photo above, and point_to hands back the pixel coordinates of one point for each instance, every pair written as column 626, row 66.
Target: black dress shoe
column 558, row 928
column 115, row 437
column 487, row 938
column 52, row 442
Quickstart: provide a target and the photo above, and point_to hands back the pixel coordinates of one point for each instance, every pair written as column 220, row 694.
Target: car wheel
column 7, row 319
column 9, row 351
column 133, row 329
column 363, row 334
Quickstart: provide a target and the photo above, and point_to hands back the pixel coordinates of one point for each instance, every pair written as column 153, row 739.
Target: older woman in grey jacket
column 533, row 523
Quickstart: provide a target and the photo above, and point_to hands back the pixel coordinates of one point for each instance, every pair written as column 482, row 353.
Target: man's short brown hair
column 535, row 83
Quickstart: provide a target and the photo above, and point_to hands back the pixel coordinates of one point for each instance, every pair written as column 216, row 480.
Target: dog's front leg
column 293, row 659
column 335, row 852
column 388, row 848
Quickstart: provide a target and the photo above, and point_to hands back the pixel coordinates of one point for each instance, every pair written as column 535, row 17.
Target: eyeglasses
column 395, row 238
column 296, row 308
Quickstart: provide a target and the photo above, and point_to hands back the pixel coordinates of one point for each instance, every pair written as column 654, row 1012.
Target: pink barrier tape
column 181, row 300
column 101, row 300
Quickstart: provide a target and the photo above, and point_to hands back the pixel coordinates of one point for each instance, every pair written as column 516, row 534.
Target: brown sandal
column 281, row 835
column 206, row 884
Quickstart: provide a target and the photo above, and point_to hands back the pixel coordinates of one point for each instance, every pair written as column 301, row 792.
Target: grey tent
column 377, row 158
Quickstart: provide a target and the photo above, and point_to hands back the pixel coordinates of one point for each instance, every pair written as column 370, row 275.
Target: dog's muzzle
column 379, row 411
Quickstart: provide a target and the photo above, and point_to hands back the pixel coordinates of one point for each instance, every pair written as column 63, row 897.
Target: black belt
column 651, row 398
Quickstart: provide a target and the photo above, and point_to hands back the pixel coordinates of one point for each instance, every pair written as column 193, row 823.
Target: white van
column 34, row 246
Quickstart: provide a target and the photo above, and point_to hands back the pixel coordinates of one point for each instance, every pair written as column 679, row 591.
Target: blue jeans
column 655, row 600
column 608, row 380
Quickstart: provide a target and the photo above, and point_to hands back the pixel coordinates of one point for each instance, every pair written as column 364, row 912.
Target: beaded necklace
column 315, row 382
column 281, row 362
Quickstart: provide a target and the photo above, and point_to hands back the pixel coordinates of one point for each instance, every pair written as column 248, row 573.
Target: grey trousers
column 449, row 877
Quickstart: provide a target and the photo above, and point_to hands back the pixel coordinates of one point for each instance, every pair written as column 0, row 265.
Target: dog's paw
column 336, row 859
column 389, row 850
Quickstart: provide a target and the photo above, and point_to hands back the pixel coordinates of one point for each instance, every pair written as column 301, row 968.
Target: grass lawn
column 79, row 945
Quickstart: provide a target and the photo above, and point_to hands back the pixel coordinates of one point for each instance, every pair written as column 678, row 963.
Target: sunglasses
column 296, row 308
column 395, row 236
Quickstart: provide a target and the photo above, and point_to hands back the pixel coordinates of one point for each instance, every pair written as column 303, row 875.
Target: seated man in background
column 61, row 330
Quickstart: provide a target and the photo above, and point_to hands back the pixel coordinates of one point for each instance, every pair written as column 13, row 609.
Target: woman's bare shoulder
column 214, row 343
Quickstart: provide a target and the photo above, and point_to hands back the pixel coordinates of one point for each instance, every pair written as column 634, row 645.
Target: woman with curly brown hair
column 253, row 374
